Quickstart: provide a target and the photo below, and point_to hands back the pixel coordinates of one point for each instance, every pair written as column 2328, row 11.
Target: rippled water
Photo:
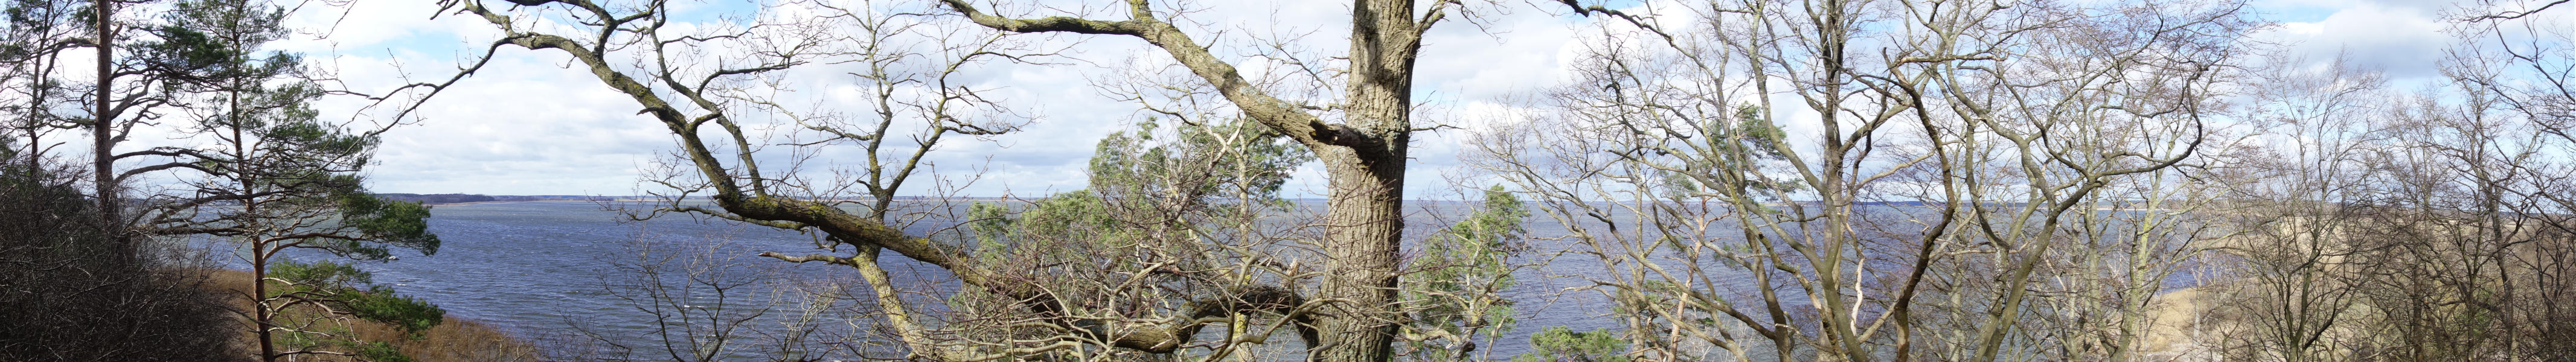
column 537, row 268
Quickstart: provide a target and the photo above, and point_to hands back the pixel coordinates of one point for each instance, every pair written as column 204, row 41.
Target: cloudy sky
column 528, row 124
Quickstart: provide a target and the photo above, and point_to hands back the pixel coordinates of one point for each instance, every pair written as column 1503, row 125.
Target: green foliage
column 345, row 288
column 1755, row 131
column 319, row 276
column 989, row 221
column 214, row 43
column 1560, row 344
column 1068, row 225
column 1167, row 197
column 380, row 304
column 1461, row 273
column 381, row 352
column 1196, row 172
column 1732, row 155
column 1077, row 212
column 274, row 153
column 1679, row 185
column 1239, row 159
column 402, row 224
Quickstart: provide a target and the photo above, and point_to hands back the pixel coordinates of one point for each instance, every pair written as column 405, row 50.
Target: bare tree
column 1361, row 137
column 2413, row 226
column 1914, row 215
column 2290, row 296
column 1365, row 152
column 704, row 303
column 2517, row 58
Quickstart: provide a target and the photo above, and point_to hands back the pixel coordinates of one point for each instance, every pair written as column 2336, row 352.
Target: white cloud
column 2404, row 38
column 528, row 125
column 524, row 126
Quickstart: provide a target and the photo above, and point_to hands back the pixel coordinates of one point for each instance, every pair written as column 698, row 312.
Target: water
column 543, row 268
column 539, row 268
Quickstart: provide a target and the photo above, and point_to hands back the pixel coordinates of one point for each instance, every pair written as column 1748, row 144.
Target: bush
column 1559, row 344
column 72, row 289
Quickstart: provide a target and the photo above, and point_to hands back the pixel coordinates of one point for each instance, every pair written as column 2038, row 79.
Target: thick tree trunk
column 1365, row 229
column 1365, row 221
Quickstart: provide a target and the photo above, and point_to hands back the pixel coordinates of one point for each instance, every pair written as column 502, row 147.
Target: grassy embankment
column 454, row 340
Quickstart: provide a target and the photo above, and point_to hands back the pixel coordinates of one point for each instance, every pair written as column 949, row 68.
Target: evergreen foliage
column 272, row 175
column 1561, row 344
column 1161, row 200
column 343, row 287
column 1461, row 274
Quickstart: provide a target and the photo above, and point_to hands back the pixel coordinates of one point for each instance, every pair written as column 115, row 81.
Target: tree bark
column 103, row 155
column 1365, row 223
column 1364, row 157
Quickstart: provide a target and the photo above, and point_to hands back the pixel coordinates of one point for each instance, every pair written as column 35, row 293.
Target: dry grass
column 457, row 339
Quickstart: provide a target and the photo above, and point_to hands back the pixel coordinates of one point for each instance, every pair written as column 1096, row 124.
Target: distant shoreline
column 516, row 201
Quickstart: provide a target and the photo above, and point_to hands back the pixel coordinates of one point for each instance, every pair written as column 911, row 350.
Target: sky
column 528, row 124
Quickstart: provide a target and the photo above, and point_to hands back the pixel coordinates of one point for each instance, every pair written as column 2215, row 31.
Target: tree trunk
column 1365, row 221
column 1365, row 229
column 1364, row 154
column 261, row 317
column 103, row 159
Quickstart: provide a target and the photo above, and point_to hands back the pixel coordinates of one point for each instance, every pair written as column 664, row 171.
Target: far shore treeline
column 434, row 199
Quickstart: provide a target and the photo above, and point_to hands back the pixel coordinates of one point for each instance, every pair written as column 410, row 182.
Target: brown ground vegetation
column 457, row 339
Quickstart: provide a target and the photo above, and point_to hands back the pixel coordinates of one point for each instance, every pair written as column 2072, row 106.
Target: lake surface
column 539, row 269
column 545, row 271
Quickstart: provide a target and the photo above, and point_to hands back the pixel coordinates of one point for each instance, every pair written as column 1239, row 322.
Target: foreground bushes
column 74, row 290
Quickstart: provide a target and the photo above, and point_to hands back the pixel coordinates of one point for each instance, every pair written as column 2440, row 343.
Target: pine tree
column 275, row 177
